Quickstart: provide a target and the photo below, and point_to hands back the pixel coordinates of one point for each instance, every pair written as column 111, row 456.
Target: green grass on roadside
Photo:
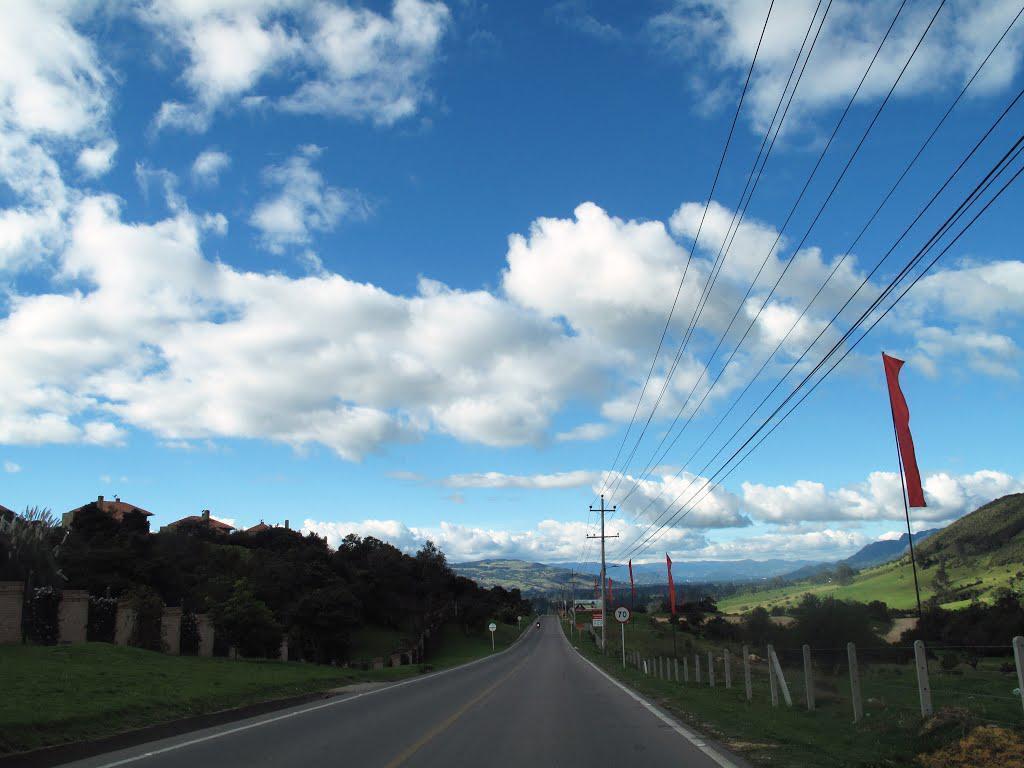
column 58, row 694
column 890, row 735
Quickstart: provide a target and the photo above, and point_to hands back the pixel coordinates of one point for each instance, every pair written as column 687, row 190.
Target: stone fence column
column 283, row 652
column 73, row 616
column 124, row 623
column 12, row 596
column 170, row 630
column 205, row 629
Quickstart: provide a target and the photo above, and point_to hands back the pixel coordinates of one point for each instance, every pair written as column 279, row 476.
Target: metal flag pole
column 906, row 510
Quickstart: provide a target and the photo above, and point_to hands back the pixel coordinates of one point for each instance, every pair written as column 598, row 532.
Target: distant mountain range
column 537, row 578
column 875, row 553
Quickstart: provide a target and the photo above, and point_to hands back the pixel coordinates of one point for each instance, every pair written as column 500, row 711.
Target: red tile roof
column 117, row 509
column 201, row 520
column 5, row 511
column 261, row 526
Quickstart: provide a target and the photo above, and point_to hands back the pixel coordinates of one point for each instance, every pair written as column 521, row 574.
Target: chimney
column 206, row 515
column 99, row 498
column 117, row 498
column 286, row 526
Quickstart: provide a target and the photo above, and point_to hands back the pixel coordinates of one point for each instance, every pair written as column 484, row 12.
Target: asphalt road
column 537, row 704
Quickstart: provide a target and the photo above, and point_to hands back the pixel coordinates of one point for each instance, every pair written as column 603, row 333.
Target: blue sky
column 400, row 269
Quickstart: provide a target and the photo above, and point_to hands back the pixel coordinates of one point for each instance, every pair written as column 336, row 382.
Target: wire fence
column 906, row 683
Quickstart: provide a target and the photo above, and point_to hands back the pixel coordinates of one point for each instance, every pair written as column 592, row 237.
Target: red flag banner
column 611, row 594
column 904, row 440
column 632, row 587
column 597, row 587
column 671, row 585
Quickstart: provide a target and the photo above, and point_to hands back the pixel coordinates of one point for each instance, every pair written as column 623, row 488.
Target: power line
column 982, row 186
column 789, row 217
column 750, row 176
column 846, row 253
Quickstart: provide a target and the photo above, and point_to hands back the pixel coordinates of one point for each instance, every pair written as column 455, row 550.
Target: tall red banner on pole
column 671, row 585
column 632, row 587
column 611, row 594
column 901, row 422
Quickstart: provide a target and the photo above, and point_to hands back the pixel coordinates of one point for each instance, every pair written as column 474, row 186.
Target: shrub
column 43, row 609
column 189, row 634
column 149, row 609
column 102, row 619
column 985, row 746
column 247, row 623
column 949, row 661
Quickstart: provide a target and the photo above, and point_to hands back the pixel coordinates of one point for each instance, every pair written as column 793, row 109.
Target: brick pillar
column 283, row 655
column 170, row 630
column 12, row 596
column 205, row 629
column 73, row 616
column 124, row 624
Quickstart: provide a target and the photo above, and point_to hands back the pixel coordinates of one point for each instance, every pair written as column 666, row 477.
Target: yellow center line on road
column 442, row 727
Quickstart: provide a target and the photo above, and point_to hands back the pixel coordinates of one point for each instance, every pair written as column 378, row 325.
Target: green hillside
column 519, row 574
column 982, row 553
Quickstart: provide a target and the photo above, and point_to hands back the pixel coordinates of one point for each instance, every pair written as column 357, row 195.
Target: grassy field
column 892, row 583
column 891, row 733
column 58, row 694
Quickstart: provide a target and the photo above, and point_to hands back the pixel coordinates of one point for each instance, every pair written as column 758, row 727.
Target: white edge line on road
column 314, row 708
column 691, row 736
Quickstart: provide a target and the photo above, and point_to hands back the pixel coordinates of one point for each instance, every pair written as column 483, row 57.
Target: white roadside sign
column 622, row 614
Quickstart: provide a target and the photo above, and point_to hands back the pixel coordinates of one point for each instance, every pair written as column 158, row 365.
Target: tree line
column 257, row 587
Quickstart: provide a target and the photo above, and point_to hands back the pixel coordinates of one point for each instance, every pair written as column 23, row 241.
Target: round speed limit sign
column 622, row 614
column 492, row 626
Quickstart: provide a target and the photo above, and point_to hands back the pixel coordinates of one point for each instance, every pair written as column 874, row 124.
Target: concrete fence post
column 727, row 664
column 773, row 686
column 779, row 676
column 808, row 678
column 12, row 598
column 124, row 623
column 170, row 630
column 1018, row 658
column 204, row 628
column 746, row 674
column 858, row 705
column 73, row 616
column 675, row 663
column 686, row 670
column 924, row 690
column 696, row 668
column 662, row 667
column 711, row 669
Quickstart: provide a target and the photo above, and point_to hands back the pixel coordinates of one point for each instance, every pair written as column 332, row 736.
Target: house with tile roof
column 203, row 519
column 117, row 509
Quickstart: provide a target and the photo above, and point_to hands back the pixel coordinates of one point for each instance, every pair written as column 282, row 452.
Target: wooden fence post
column 726, row 662
column 858, row 705
column 1018, row 657
column 924, row 690
column 774, row 661
column 808, row 678
column 711, row 669
column 746, row 673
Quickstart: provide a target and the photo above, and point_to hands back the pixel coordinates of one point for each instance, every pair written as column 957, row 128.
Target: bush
column 102, row 620
column 247, row 623
column 949, row 661
column 43, row 610
column 149, row 609
column 189, row 634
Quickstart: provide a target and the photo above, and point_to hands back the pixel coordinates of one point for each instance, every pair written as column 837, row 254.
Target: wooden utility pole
column 604, row 577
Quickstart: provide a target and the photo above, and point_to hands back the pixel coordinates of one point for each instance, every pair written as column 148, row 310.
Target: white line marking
column 691, row 736
column 314, row 708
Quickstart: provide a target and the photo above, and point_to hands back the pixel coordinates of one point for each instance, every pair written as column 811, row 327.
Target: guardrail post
column 1018, row 658
column 808, row 678
column 711, row 669
column 696, row 667
column 924, row 690
column 728, row 668
column 858, row 705
column 746, row 673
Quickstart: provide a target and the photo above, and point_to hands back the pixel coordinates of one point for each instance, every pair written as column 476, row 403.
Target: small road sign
column 492, row 626
column 622, row 614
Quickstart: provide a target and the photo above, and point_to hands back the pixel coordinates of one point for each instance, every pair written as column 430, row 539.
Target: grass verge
column 60, row 694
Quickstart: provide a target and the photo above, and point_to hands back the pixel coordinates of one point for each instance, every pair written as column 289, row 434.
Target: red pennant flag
column 611, row 594
column 904, row 440
column 671, row 585
column 597, row 588
column 632, row 587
